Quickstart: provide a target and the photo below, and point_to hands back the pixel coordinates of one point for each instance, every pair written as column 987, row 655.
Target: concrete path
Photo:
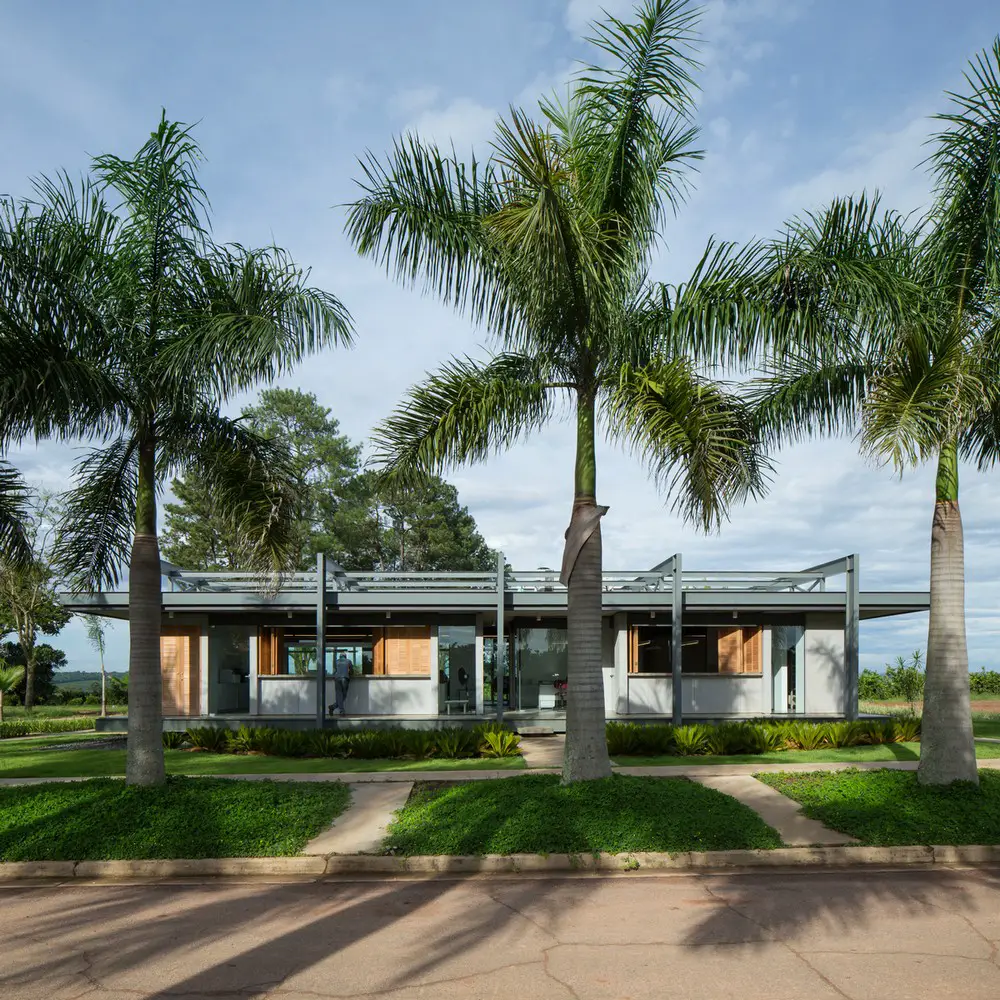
column 826, row 936
column 777, row 810
column 361, row 828
column 543, row 752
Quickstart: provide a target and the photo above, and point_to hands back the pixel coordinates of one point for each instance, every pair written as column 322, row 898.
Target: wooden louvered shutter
column 408, row 650
column 753, row 650
column 730, row 650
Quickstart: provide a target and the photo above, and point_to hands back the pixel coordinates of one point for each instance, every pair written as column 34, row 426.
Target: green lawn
column 19, row 759
column 884, row 751
column 536, row 814
column 987, row 725
column 889, row 807
column 188, row 818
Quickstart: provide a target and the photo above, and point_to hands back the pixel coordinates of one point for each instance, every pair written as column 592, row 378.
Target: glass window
column 457, row 667
column 706, row 649
column 541, row 660
column 299, row 657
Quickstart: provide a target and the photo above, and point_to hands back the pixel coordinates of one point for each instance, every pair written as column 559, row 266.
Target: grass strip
column 535, row 814
column 106, row 820
column 885, row 808
column 36, row 762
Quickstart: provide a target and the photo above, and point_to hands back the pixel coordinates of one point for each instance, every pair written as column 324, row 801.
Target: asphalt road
column 904, row 934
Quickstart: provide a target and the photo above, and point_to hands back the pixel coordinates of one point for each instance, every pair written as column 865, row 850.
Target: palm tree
column 138, row 328
column 10, row 677
column 546, row 244
column 923, row 386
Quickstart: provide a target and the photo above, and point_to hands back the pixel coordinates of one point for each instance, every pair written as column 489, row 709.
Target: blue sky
column 801, row 101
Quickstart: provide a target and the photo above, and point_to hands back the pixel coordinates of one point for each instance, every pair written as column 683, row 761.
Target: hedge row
column 906, row 684
column 487, row 740
column 30, row 727
column 628, row 739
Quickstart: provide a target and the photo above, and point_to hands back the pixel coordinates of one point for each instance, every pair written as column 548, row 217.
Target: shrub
column 370, row 744
column 244, row 740
column 209, row 738
column 806, row 735
column 456, row 743
column 872, row 686
column 321, row 743
column 984, row 681
column 14, row 728
column 845, row 734
column 500, row 743
column 902, row 730
column 762, row 738
column 692, row 740
column 905, row 678
column 656, row 740
column 173, row 740
column 624, row 738
column 419, row 743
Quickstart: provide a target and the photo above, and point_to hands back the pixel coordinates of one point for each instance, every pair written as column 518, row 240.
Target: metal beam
column 501, row 567
column 320, row 639
column 677, row 640
column 852, row 638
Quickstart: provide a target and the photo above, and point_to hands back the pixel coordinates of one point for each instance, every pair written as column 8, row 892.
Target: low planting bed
column 536, row 814
column 632, row 739
column 106, row 820
column 887, row 808
column 29, row 726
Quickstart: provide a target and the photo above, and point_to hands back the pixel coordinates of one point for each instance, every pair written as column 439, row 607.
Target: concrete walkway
column 543, row 752
column 777, row 810
column 361, row 828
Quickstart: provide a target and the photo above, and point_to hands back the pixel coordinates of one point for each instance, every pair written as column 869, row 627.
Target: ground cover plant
column 890, row 807
column 13, row 728
column 631, row 739
column 187, row 818
column 537, row 814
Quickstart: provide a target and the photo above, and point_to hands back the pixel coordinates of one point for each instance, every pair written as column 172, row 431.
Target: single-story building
column 437, row 648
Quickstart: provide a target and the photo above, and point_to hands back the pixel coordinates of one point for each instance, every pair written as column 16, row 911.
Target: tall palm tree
column 546, row 244
column 923, row 386
column 137, row 327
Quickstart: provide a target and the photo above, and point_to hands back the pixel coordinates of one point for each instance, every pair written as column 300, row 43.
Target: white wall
column 366, row 696
column 703, row 695
column 826, row 688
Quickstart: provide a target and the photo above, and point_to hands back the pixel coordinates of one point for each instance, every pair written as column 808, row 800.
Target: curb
column 512, row 864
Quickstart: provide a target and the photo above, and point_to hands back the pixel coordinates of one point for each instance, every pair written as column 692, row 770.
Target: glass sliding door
column 787, row 669
column 541, row 659
column 456, row 669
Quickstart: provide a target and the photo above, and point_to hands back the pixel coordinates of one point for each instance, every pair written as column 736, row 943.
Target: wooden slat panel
column 753, row 650
column 633, row 650
column 180, row 671
column 378, row 651
column 730, row 650
column 408, row 650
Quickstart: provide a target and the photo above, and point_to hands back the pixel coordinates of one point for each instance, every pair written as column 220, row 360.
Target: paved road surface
column 816, row 936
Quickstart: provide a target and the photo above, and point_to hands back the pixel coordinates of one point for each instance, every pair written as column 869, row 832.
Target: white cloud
column 462, row 122
column 409, row 101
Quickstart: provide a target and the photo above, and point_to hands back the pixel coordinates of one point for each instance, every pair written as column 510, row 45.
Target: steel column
column 852, row 634
column 501, row 648
column 677, row 639
column 320, row 639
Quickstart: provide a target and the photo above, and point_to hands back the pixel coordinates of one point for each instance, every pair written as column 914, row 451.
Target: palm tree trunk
column 947, row 748
column 586, row 744
column 29, row 674
column 144, row 764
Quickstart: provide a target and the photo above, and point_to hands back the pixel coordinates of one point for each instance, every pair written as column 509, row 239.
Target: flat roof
column 530, row 592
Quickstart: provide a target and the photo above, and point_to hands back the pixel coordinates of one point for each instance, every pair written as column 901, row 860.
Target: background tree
column 95, row 628
column 146, row 327
column 923, row 386
column 352, row 515
column 47, row 659
column 10, row 677
column 547, row 244
column 28, row 603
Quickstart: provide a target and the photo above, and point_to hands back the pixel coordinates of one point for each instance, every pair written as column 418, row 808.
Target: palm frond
column 638, row 109
column 699, row 441
column 14, row 497
column 98, row 521
column 421, row 216
column 251, row 478
column 464, row 413
column 249, row 316
column 810, row 396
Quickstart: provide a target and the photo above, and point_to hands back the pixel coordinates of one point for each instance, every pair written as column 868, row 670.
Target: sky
column 801, row 101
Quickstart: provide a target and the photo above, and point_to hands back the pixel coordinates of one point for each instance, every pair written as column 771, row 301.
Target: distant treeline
column 81, row 678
